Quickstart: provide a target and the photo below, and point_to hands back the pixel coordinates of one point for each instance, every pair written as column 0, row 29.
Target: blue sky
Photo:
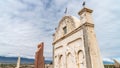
column 26, row 23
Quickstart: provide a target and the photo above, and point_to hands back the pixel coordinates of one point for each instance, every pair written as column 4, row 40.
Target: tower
column 93, row 58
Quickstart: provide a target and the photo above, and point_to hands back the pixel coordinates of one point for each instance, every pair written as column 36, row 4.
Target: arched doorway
column 61, row 63
column 80, row 59
column 56, row 62
column 70, row 61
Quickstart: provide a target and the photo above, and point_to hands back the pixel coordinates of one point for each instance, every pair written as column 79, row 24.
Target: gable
column 66, row 25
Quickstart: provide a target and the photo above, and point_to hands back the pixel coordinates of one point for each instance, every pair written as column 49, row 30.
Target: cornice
column 73, row 31
column 85, row 10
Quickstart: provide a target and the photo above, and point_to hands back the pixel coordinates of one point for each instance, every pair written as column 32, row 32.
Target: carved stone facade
column 39, row 58
column 74, row 43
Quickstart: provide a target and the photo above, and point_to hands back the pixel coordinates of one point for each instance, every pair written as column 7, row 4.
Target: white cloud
column 108, row 59
column 25, row 23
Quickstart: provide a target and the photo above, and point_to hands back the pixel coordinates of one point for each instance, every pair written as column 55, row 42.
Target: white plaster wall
column 71, row 44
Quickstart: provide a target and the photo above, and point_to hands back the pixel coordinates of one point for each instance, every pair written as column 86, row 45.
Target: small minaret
column 18, row 62
column 92, row 52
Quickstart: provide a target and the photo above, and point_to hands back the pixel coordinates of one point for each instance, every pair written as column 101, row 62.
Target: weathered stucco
column 76, row 47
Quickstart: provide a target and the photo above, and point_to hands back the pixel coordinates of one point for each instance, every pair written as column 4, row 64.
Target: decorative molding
column 74, row 31
column 61, row 21
column 73, row 41
column 85, row 10
column 58, row 47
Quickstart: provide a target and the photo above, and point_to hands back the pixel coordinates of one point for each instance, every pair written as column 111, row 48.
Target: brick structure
column 39, row 58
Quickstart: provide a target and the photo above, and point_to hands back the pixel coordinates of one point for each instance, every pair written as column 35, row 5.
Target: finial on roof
column 84, row 3
column 65, row 11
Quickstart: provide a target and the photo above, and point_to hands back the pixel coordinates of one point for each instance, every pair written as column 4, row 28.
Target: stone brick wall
column 39, row 58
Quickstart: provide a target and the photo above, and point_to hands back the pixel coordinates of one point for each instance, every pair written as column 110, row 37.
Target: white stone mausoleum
column 75, row 44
